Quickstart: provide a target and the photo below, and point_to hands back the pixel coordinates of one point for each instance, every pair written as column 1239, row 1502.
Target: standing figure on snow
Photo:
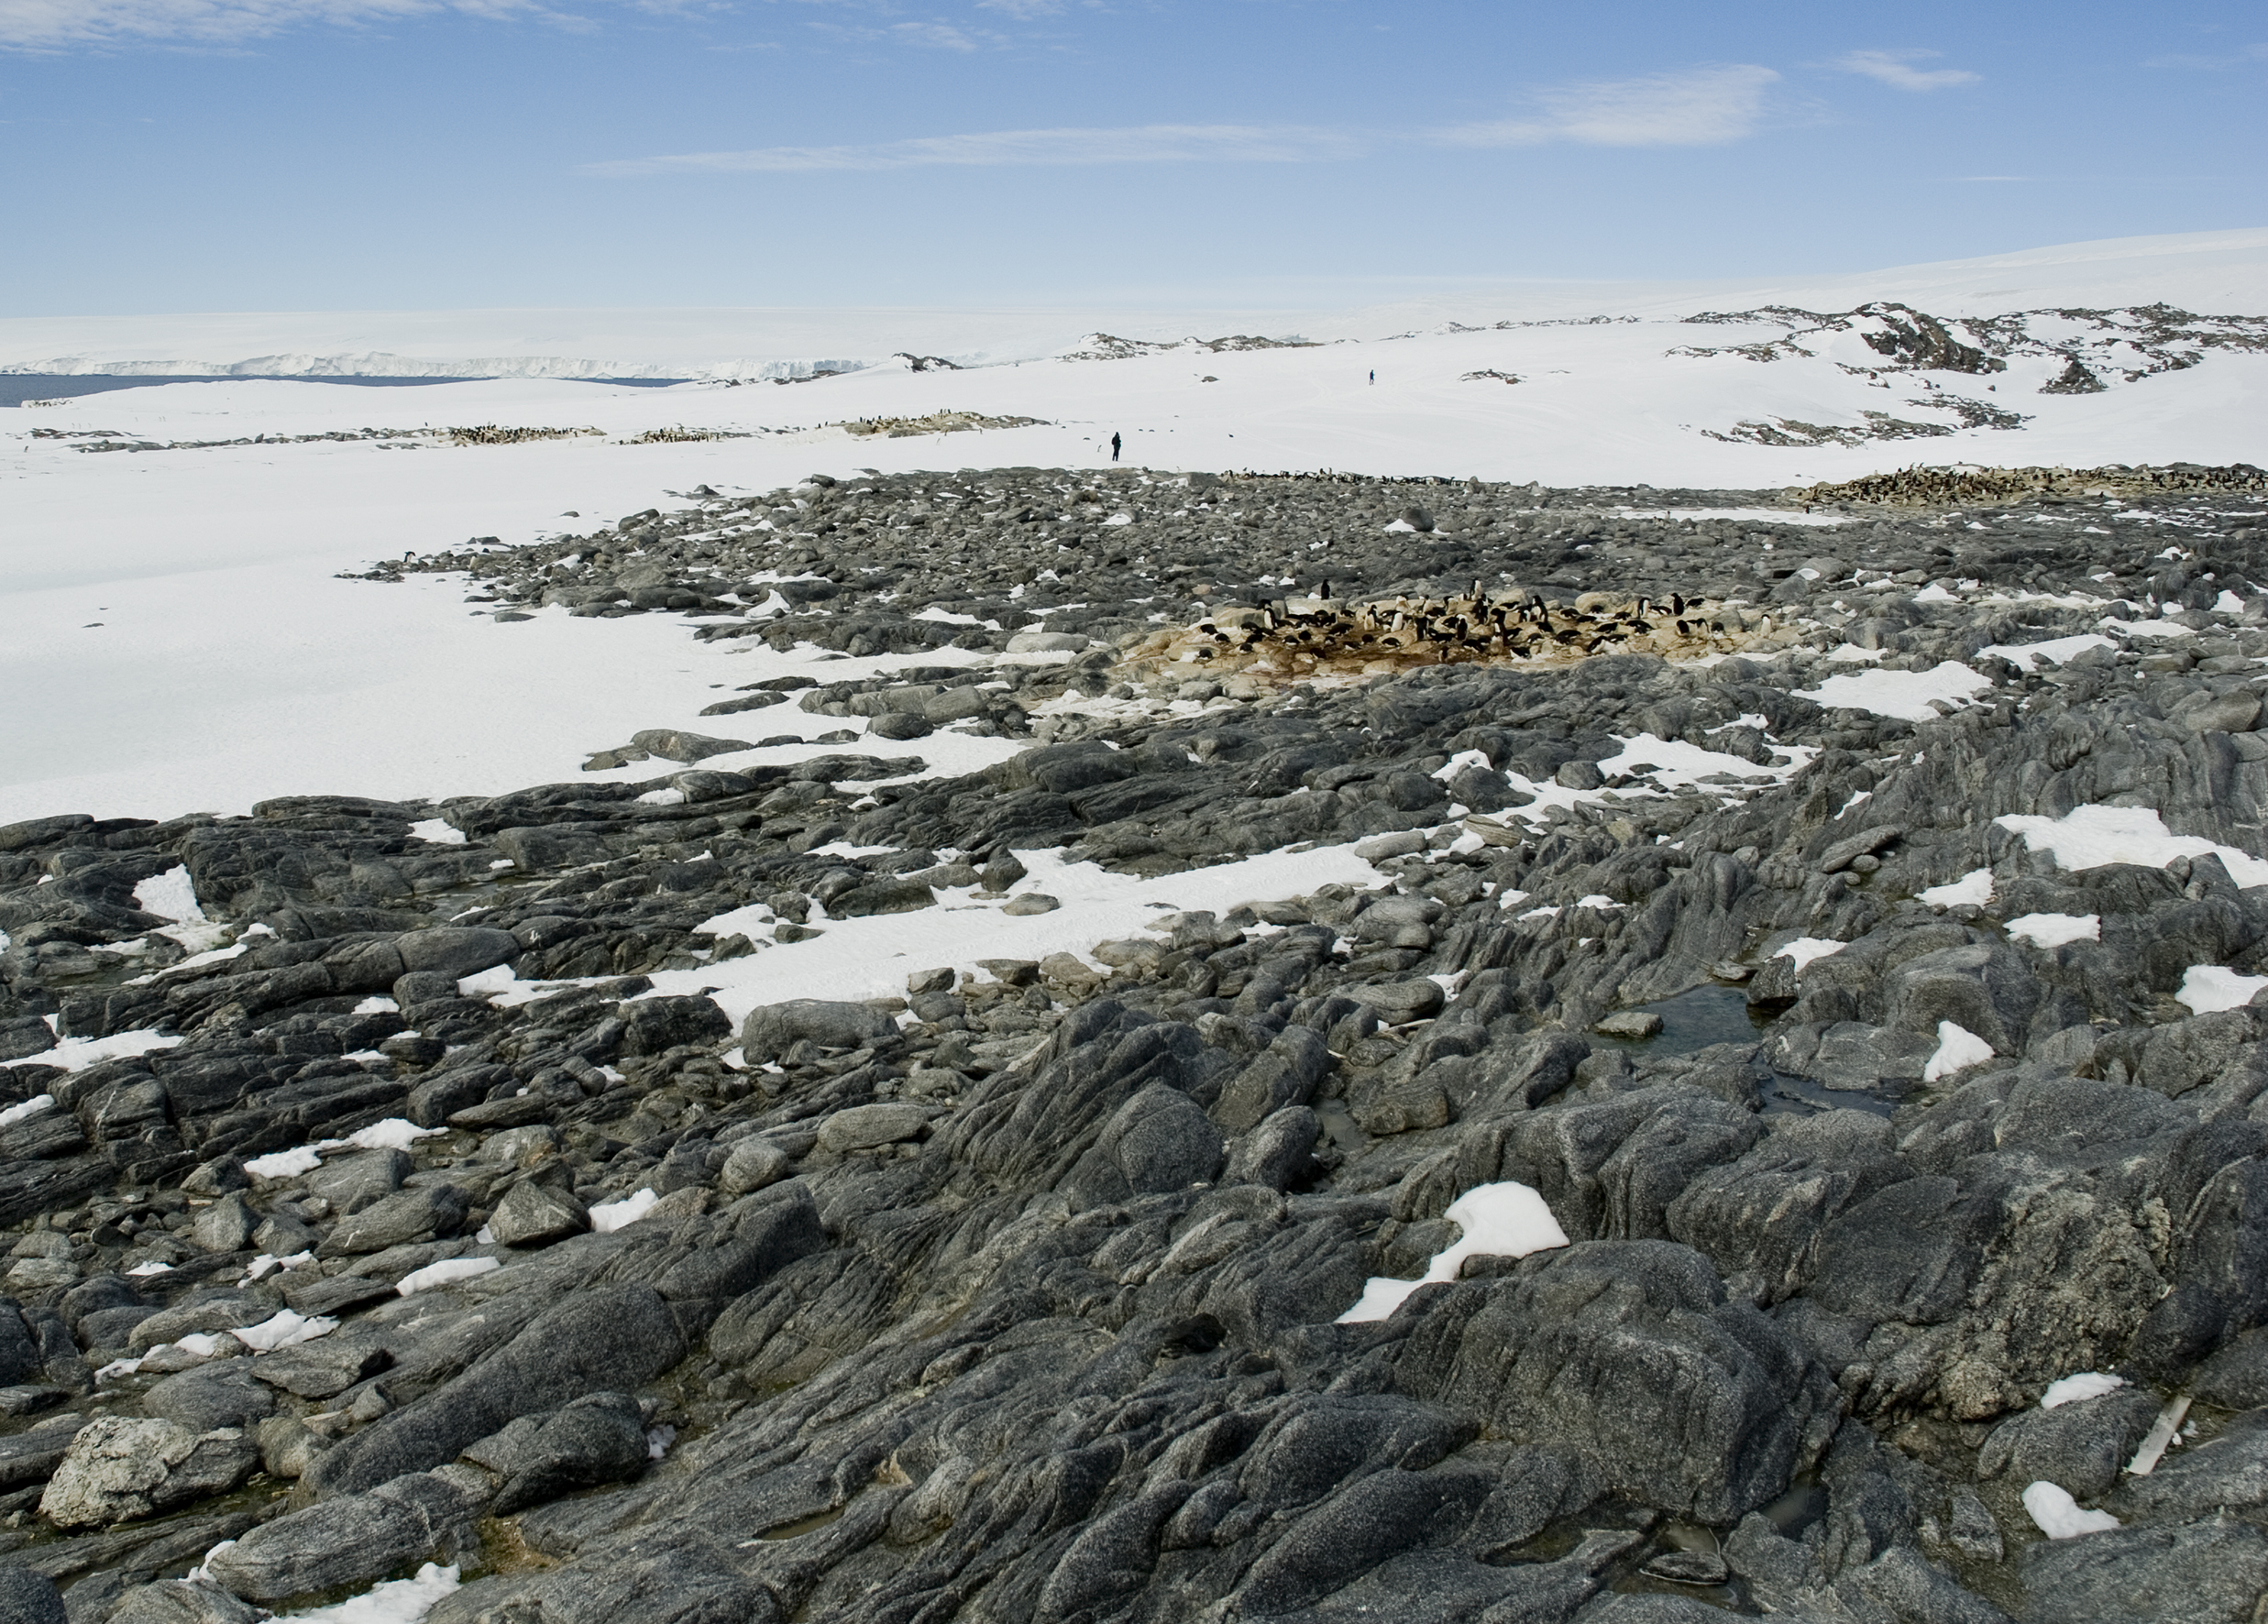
column 1115, row 443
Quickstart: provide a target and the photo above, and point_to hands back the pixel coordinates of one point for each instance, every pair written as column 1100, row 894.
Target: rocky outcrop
column 1933, row 917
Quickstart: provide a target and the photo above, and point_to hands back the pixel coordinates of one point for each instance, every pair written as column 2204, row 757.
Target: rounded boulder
column 456, row 950
column 769, row 1031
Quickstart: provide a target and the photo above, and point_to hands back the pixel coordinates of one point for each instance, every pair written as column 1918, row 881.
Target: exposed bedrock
column 1840, row 1060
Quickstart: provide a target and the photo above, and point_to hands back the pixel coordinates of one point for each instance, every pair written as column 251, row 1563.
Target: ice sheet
column 2086, row 1384
column 2151, row 628
column 2206, row 988
column 31, row 1107
column 1973, row 889
column 394, row 1133
column 443, row 1272
column 284, row 1330
column 2055, row 651
column 1673, row 763
column 2196, row 270
column 396, row 1601
column 609, row 1217
column 285, row 1164
column 2052, row 930
column 2093, row 836
column 1906, row 695
column 170, row 895
column 76, row 1054
column 1505, row 1220
column 870, row 957
column 2062, row 1518
column 1805, row 948
column 1958, row 1049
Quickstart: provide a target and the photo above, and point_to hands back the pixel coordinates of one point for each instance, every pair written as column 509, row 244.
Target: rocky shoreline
column 452, row 1195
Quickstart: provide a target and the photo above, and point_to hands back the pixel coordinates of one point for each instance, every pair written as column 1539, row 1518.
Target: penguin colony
column 1922, row 485
column 1301, row 638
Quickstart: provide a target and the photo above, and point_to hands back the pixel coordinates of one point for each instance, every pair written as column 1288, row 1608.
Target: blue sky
column 187, row 155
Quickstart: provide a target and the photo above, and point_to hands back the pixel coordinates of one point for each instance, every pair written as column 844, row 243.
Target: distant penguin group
column 1471, row 626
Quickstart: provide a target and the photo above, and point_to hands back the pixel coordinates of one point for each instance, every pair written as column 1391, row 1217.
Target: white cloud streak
column 1698, row 107
column 1705, row 106
column 941, row 36
column 2243, row 56
column 1894, row 68
column 1149, row 143
column 58, row 24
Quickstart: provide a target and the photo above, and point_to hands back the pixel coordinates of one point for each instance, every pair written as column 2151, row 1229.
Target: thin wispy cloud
column 57, row 25
column 1896, row 69
column 940, row 36
column 1706, row 106
column 1698, row 107
column 2244, row 56
column 1148, row 143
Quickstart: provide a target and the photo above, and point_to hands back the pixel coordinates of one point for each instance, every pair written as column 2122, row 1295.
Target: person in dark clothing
column 1115, row 443
column 1374, row 375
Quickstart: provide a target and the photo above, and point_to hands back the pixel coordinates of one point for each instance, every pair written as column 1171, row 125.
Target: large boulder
column 534, row 1214
column 351, row 1540
column 27, row 1597
column 1160, row 1140
column 208, row 1397
column 605, row 1339
column 2079, row 1447
column 650, row 1026
column 431, row 1212
column 769, row 1030
column 117, row 1469
column 2204, row 1572
column 599, row 1439
column 669, row 1577
column 171, row 1601
column 1758, row 1219
column 456, row 950
column 1679, row 1398
column 868, row 1127
column 1283, row 1074
column 1369, row 1520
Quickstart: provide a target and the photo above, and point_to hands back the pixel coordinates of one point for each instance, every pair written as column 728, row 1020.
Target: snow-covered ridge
column 2212, row 274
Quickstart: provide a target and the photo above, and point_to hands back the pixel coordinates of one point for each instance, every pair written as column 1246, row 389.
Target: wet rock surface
column 1871, row 1008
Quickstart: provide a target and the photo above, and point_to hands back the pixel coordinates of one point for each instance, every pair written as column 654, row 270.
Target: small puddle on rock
column 788, row 1531
column 1341, row 1127
column 1703, row 1016
column 1694, row 1019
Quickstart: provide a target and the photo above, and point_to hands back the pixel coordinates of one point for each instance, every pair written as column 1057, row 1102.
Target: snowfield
column 178, row 640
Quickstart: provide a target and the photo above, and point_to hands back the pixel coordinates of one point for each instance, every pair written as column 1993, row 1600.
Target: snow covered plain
column 177, row 639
